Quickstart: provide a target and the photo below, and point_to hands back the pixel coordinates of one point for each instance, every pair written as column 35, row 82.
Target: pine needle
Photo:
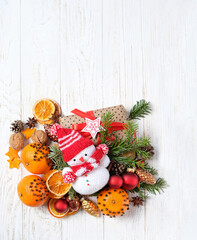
column 158, row 187
column 150, row 169
column 130, row 129
column 106, row 131
column 140, row 110
column 56, row 156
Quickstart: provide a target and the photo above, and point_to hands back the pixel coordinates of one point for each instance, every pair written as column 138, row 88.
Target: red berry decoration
column 61, row 206
column 115, row 181
column 130, row 181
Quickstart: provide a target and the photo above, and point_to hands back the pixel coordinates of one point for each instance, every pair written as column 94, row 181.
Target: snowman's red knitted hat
column 70, row 141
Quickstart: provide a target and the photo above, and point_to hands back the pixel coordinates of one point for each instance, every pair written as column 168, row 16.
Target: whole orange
column 32, row 191
column 35, row 158
column 113, row 202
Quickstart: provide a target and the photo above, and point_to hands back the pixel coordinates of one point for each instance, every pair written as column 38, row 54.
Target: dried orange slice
column 52, row 210
column 44, row 109
column 55, row 184
column 72, row 212
column 45, row 177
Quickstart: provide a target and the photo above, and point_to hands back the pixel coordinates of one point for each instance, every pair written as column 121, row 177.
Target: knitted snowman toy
column 87, row 164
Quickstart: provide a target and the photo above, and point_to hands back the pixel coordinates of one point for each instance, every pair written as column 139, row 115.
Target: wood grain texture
column 91, row 54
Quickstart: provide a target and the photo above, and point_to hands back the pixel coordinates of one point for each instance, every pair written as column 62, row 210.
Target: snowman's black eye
column 74, row 160
column 86, row 154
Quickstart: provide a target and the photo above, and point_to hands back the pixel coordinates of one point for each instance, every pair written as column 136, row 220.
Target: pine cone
column 90, row 207
column 145, row 176
column 31, row 122
column 116, row 168
column 17, row 126
column 47, row 128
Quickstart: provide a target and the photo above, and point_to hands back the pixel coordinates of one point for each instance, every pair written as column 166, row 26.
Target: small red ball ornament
column 115, row 181
column 130, row 181
column 61, row 206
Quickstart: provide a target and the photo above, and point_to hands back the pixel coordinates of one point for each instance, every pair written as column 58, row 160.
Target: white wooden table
column 98, row 53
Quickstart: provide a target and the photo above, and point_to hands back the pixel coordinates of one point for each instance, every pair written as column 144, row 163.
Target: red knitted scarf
column 88, row 166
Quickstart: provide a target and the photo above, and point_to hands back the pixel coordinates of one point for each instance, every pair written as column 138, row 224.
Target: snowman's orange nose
column 81, row 159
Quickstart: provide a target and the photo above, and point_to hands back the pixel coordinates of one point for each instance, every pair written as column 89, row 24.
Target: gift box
column 71, row 121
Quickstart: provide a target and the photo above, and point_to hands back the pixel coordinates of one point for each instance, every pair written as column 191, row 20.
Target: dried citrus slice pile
column 52, row 210
column 56, row 214
column 55, row 184
column 44, row 109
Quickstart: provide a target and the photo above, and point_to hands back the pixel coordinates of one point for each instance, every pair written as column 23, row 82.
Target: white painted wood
column 40, row 74
column 91, row 54
column 81, row 85
column 10, row 109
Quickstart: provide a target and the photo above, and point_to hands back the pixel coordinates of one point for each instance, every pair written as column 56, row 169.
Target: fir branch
column 142, row 142
column 130, row 129
column 106, row 131
column 150, row 169
column 119, row 146
column 56, row 156
column 127, row 161
column 140, row 110
column 158, row 187
column 138, row 147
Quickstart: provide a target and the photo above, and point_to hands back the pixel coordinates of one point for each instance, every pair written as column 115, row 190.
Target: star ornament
column 92, row 126
column 14, row 163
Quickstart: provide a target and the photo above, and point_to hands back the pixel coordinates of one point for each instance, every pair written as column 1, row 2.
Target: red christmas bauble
column 130, row 181
column 61, row 206
column 115, row 181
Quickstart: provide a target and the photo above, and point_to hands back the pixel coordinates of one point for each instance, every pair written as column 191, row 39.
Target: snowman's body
column 94, row 180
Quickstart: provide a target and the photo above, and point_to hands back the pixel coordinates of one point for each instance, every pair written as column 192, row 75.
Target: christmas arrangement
column 87, row 154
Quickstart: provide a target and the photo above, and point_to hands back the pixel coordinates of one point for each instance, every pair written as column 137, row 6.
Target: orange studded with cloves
column 113, row 202
column 35, row 159
column 32, row 191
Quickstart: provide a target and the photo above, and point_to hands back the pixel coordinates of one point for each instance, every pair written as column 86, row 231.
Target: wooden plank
column 81, row 85
column 40, row 61
column 122, row 63
column 10, row 110
column 169, row 47
column 81, row 54
column 91, row 54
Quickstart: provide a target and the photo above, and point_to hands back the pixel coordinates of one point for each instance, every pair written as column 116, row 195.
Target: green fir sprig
column 119, row 147
column 145, row 189
column 131, row 128
column 150, row 169
column 140, row 110
column 56, row 156
column 158, row 187
column 105, row 131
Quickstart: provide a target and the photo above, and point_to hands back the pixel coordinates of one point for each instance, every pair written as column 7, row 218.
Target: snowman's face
column 83, row 156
